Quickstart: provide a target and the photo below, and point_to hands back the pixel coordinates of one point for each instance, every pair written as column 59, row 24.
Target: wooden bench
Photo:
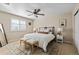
column 29, row 44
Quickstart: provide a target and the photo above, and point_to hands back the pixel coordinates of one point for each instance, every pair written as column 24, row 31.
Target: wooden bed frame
column 46, row 30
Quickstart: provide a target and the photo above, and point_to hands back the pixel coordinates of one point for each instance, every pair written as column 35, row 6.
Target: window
column 18, row 25
column 22, row 26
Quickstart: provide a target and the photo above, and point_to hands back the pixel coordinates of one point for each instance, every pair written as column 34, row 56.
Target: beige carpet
column 53, row 48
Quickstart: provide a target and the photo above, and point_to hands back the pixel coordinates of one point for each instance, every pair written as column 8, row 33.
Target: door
column 77, row 30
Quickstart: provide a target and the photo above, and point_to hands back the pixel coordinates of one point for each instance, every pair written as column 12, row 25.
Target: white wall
column 52, row 20
column 76, row 41
column 47, row 20
column 73, row 18
column 5, row 19
column 77, row 31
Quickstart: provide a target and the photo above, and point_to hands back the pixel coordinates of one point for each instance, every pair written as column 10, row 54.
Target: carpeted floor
column 53, row 48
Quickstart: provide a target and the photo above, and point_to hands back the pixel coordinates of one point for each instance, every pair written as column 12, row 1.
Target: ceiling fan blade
column 29, row 11
column 41, row 14
column 38, row 10
column 35, row 10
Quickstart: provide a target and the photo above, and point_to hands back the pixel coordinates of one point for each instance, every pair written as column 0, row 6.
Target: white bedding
column 43, row 39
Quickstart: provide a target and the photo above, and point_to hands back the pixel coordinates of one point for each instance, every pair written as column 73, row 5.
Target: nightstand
column 59, row 38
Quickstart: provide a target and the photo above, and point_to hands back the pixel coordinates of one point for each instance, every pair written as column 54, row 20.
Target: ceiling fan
column 35, row 12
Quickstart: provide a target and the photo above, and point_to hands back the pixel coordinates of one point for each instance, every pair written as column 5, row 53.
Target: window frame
column 19, row 25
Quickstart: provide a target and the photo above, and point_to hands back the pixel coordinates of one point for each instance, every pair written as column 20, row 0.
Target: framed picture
column 63, row 22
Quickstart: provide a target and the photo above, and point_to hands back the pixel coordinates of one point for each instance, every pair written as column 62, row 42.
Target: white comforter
column 43, row 39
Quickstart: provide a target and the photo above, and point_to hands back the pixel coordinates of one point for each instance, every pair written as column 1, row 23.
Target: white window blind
column 18, row 25
column 22, row 26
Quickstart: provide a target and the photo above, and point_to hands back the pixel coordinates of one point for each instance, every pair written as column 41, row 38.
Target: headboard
column 46, row 29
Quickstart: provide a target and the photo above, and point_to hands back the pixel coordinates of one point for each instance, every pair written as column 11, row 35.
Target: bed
column 43, row 37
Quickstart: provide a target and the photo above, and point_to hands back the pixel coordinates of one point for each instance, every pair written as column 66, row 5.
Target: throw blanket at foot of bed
column 43, row 39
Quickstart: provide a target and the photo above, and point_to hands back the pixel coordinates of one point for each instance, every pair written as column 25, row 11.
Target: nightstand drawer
column 59, row 38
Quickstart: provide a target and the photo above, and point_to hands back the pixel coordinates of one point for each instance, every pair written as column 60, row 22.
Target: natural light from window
column 18, row 25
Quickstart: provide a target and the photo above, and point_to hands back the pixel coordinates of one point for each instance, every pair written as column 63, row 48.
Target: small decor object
column 29, row 23
column 62, row 24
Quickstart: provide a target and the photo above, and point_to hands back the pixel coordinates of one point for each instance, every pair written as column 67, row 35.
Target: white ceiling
column 46, row 8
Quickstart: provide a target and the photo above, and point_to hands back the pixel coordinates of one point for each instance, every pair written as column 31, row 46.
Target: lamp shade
column 34, row 29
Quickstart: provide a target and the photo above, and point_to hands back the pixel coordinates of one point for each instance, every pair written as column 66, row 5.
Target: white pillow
column 50, row 33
